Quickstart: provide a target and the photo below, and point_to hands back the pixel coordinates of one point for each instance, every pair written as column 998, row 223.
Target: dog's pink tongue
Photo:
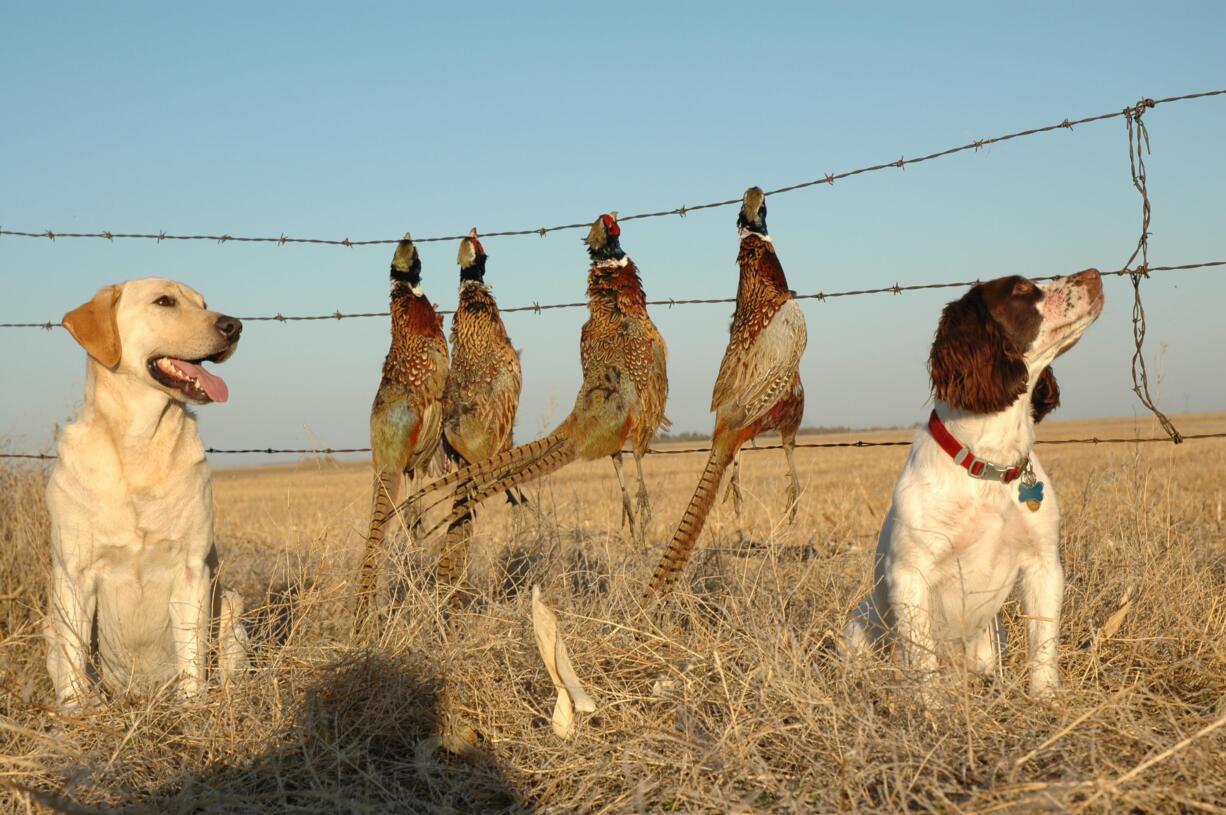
column 212, row 385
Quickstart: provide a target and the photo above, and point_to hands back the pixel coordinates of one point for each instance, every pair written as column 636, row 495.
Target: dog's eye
column 166, row 300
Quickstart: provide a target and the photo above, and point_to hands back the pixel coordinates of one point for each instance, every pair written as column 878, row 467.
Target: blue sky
column 308, row 120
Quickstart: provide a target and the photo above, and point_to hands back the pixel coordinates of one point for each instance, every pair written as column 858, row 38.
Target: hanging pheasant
column 759, row 380
column 483, row 385
column 646, row 356
column 617, row 355
column 406, row 418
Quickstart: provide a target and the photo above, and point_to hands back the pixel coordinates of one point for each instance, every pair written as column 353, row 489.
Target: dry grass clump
column 729, row 697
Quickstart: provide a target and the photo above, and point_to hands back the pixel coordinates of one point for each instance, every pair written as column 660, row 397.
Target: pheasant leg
column 627, row 509
column 644, row 500
column 733, row 492
column 793, row 495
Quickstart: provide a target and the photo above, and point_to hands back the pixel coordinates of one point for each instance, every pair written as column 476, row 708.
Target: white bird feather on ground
column 571, row 695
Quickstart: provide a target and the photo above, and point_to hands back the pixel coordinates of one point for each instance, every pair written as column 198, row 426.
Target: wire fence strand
column 1138, row 145
column 537, row 308
column 656, row 451
column 681, row 211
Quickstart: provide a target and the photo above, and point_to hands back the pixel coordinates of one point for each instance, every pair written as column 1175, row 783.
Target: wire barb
column 828, row 179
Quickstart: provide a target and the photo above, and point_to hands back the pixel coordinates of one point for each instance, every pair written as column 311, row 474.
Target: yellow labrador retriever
column 133, row 594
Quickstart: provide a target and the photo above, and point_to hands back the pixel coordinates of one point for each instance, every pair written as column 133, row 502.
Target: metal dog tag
column 1030, row 491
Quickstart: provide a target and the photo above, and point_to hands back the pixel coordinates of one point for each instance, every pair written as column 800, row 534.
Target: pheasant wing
column 757, row 370
column 430, row 397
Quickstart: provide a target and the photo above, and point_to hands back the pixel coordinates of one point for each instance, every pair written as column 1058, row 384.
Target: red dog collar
column 975, row 467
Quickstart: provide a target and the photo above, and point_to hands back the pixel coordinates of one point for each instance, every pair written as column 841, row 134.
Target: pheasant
column 623, row 393
column 406, row 417
column 788, row 424
column 758, row 386
column 483, row 385
column 482, row 392
column 647, row 358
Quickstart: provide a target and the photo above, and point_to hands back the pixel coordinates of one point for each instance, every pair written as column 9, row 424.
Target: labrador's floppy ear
column 93, row 326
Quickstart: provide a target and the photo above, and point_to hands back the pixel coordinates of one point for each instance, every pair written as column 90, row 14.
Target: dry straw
column 728, row 699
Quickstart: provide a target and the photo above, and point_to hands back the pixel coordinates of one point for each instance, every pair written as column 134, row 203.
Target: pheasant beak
column 470, row 250
column 753, row 210
column 406, row 253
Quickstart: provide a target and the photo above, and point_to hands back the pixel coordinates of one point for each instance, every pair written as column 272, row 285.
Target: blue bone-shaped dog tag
column 1031, row 495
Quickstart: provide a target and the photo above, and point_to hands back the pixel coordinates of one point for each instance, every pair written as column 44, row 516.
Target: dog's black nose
column 230, row 327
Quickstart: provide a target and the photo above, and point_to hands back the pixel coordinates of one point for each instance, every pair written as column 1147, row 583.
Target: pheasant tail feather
column 478, row 472
column 520, row 465
column 514, row 498
column 686, row 536
column 383, row 506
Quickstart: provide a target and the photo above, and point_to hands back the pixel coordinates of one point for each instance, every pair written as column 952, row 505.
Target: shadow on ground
column 366, row 739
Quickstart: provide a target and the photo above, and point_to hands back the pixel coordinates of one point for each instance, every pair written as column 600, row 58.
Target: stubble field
column 729, row 697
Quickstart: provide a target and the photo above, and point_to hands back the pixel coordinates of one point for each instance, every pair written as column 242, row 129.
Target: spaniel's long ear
column 1046, row 395
column 974, row 365
column 93, row 325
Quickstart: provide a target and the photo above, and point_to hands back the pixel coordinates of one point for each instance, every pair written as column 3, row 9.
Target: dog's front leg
column 70, row 620
column 911, row 607
column 189, row 619
column 1042, row 597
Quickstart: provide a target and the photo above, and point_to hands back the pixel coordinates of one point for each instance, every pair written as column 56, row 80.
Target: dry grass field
column 730, row 697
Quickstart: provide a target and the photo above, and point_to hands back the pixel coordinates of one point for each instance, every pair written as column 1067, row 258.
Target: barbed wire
column 1138, row 145
column 655, row 451
column 681, row 211
column 907, row 443
column 537, row 308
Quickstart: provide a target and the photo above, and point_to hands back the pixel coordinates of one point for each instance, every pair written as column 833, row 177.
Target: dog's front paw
column 188, row 686
column 1044, row 682
column 78, row 703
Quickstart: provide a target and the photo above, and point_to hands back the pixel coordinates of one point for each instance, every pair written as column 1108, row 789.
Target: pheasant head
column 472, row 258
column 752, row 218
column 406, row 268
column 602, row 241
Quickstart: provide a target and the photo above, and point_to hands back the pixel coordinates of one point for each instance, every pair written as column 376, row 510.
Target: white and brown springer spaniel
column 969, row 514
